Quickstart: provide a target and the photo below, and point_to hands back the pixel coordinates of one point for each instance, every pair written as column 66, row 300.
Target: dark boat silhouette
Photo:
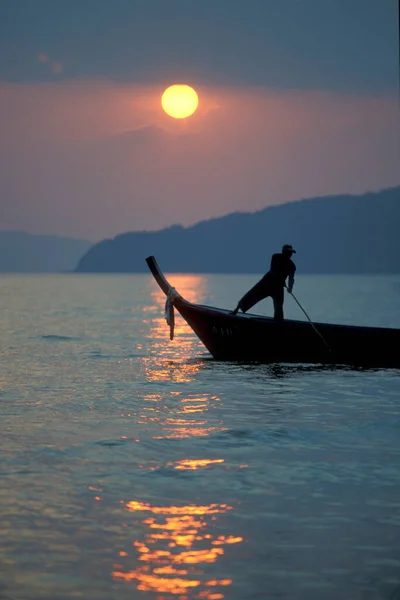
column 256, row 338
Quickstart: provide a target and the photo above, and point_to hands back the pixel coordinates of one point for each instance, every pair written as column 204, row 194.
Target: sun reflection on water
column 179, row 542
column 192, row 465
column 176, row 415
column 193, row 288
column 179, row 370
column 185, row 344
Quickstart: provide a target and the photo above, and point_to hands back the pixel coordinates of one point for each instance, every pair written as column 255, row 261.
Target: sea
column 133, row 467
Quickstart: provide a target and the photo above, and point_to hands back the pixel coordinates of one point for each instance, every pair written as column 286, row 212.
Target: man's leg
column 235, row 311
column 257, row 293
column 278, row 305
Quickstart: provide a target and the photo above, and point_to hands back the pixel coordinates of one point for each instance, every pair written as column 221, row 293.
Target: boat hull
column 261, row 339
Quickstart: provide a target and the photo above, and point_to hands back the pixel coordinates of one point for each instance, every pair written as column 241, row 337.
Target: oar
column 311, row 323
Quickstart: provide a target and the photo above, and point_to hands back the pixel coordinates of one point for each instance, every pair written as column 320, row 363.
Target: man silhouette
column 272, row 284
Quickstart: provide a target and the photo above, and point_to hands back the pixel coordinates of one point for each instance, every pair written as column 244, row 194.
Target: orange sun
column 179, row 101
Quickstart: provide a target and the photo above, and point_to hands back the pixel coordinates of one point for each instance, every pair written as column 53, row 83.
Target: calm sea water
column 133, row 467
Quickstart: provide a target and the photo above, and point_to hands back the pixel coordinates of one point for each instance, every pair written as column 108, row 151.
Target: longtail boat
column 256, row 338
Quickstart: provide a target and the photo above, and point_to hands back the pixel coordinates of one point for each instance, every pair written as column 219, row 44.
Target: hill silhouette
column 21, row 252
column 332, row 234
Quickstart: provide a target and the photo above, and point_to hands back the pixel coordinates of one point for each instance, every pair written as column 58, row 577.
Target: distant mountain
column 333, row 234
column 22, row 252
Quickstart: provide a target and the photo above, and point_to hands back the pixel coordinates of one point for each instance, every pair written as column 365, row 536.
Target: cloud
column 41, row 57
column 95, row 158
column 55, row 66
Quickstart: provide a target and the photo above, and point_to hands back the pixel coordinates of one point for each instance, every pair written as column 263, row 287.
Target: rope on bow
column 169, row 310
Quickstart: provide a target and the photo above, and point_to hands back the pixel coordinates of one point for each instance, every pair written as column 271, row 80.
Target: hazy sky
column 298, row 98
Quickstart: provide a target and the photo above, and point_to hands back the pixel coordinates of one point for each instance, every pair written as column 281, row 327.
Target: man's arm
column 291, row 278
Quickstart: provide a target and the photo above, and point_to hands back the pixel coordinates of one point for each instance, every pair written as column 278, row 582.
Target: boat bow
column 169, row 291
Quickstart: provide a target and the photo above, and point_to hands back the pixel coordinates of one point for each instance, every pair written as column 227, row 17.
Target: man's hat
column 288, row 248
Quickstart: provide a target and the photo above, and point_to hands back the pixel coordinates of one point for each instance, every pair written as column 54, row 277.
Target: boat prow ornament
column 169, row 310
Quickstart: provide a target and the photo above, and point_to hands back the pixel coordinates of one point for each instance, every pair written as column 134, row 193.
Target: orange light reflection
column 174, row 416
column 192, row 287
column 192, row 465
column 176, row 544
column 158, row 365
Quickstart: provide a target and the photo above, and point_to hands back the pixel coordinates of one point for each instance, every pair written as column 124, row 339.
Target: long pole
column 312, row 324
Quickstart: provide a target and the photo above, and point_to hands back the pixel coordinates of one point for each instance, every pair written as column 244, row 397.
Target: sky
column 297, row 99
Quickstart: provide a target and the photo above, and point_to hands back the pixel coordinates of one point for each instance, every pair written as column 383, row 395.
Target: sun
column 180, row 101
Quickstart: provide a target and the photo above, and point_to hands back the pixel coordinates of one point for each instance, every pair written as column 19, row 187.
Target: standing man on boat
column 272, row 284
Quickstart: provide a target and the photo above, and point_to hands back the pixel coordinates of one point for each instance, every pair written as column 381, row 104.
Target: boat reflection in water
column 174, row 552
